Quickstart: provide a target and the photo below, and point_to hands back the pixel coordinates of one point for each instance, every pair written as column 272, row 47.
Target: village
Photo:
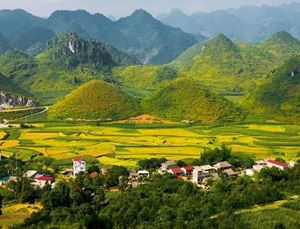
column 198, row 175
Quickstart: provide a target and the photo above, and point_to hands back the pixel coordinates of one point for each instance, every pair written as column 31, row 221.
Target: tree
column 1, row 199
column 123, row 183
column 152, row 163
column 213, row 156
column 112, row 178
column 59, row 196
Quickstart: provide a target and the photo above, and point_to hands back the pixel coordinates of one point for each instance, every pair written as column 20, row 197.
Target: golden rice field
column 16, row 213
column 125, row 144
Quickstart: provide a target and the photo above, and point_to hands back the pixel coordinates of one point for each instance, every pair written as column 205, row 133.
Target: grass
column 16, row 213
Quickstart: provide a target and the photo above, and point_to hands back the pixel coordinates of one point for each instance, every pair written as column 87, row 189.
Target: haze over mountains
column 247, row 23
column 139, row 35
column 46, row 59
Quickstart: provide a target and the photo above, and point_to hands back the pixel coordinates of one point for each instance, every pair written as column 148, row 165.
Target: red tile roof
column 79, row 159
column 278, row 163
column 188, row 168
column 45, row 178
column 176, row 170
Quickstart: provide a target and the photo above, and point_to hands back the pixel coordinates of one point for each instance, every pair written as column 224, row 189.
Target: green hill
column 69, row 50
column 224, row 66
column 281, row 93
column 281, row 45
column 190, row 100
column 4, row 46
column 68, row 62
column 236, row 68
column 17, row 66
column 7, row 86
column 95, row 100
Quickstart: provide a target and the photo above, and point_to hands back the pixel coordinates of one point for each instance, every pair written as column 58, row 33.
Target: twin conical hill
column 187, row 99
column 95, row 100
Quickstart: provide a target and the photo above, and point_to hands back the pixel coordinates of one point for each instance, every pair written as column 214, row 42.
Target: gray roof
column 222, row 165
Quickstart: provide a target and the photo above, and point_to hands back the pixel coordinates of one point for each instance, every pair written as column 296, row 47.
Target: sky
column 119, row 8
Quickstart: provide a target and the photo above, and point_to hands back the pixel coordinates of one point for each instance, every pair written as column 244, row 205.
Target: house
column 202, row 172
column 67, row 172
column 277, row 164
column 175, row 171
column 6, row 180
column 291, row 164
column 258, row 168
column 223, row 165
column 78, row 166
column 104, row 171
column 187, row 170
column 249, row 172
column 143, row 173
column 31, row 174
column 166, row 166
column 134, row 175
column 260, row 162
column 230, row 173
column 42, row 180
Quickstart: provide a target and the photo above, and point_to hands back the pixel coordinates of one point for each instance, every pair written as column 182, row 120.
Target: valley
column 125, row 144
column 173, row 121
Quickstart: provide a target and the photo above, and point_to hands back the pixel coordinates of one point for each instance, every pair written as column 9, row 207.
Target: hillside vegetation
column 94, row 101
column 281, row 93
column 236, row 70
column 68, row 62
column 190, row 100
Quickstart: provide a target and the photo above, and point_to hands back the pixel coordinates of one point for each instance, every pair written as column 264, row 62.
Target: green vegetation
column 235, row 69
column 190, row 100
column 95, row 100
column 280, row 94
column 166, row 202
column 69, row 50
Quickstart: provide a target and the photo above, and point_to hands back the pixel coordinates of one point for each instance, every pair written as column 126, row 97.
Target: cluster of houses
column 36, row 178
column 40, row 179
column 201, row 174
column 261, row 164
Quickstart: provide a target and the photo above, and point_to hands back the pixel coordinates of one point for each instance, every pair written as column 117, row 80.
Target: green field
column 125, row 144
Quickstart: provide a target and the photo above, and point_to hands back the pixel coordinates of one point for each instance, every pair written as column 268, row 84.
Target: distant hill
column 4, row 45
column 224, row 66
column 235, row 68
column 8, row 86
column 139, row 35
column 247, row 23
column 67, row 62
column 281, row 93
column 149, row 40
column 190, row 100
column 15, row 22
column 18, row 67
column 33, row 40
column 95, row 100
column 70, row 50
column 282, row 45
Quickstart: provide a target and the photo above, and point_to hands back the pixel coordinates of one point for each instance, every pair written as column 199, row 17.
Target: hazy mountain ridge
column 139, row 34
column 247, row 23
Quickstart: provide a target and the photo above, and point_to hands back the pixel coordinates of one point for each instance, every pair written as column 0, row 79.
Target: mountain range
column 139, row 35
column 247, row 23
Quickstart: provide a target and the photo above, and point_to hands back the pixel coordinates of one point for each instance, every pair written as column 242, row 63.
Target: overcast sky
column 119, row 8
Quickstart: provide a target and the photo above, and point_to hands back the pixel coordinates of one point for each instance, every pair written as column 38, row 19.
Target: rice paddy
column 125, row 144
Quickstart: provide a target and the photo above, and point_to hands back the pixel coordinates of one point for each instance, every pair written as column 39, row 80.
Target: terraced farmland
column 125, row 144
